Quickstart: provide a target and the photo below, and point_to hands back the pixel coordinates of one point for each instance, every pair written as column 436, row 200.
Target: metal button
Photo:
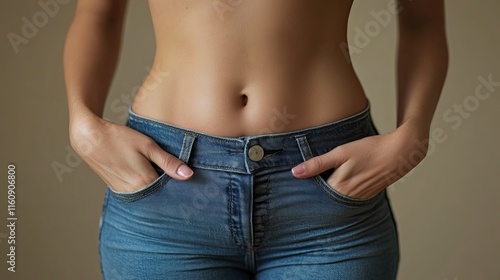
column 256, row 153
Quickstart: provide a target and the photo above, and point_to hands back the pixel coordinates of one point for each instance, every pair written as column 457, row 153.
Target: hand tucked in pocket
column 366, row 166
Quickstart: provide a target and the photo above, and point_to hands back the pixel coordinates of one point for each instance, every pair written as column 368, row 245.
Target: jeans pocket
column 321, row 182
column 144, row 191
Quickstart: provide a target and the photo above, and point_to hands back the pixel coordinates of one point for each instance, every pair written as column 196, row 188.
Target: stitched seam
column 144, row 193
column 333, row 194
column 341, row 124
column 338, row 124
column 230, row 208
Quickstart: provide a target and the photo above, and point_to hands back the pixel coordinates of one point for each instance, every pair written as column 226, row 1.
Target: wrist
column 413, row 139
column 82, row 117
column 413, row 129
column 83, row 123
column 83, row 111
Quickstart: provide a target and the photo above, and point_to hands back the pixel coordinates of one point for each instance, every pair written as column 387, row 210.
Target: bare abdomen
column 261, row 68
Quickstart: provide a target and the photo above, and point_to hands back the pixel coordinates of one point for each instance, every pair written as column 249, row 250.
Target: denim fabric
column 237, row 218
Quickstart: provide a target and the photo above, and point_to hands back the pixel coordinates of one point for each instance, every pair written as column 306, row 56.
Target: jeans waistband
column 249, row 154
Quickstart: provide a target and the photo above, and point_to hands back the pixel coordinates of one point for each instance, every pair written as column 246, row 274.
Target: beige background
column 447, row 209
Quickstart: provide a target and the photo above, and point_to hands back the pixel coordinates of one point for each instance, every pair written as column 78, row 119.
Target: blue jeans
column 243, row 215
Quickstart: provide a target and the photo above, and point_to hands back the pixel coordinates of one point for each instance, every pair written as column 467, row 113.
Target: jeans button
column 256, row 153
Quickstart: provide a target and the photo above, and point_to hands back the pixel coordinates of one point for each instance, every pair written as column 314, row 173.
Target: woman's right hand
column 121, row 156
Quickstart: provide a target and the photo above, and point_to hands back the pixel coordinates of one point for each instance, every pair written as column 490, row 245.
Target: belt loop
column 187, row 145
column 305, row 149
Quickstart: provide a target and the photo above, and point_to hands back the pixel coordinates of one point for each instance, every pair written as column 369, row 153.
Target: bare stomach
column 228, row 80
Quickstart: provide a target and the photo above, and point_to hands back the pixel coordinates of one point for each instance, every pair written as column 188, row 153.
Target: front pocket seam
column 142, row 193
column 340, row 198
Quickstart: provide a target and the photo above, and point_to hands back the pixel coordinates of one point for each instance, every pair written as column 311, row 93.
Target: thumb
column 318, row 164
column 173, row 166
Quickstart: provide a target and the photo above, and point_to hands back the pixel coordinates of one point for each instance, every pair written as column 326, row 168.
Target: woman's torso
column 288, row 58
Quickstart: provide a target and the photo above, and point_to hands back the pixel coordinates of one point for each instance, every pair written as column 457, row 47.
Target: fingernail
column 299, row 169
column 184, row 171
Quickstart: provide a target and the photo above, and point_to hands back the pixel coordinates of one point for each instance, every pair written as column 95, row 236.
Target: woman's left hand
column 364, row 167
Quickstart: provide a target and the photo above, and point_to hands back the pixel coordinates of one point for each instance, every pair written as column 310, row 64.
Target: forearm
column 90, row 56
column 422, row 67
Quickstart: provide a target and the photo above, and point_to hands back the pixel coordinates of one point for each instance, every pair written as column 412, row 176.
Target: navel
column 244, row 99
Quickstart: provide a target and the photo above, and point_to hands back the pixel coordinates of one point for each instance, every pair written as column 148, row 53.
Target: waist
column 217, row 99
column 249, row 154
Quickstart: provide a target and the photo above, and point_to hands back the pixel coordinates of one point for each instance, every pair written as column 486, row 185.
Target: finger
column 318, row 164
column 173, row 166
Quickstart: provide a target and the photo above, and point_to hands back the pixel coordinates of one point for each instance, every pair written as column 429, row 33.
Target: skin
column 225, row 69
